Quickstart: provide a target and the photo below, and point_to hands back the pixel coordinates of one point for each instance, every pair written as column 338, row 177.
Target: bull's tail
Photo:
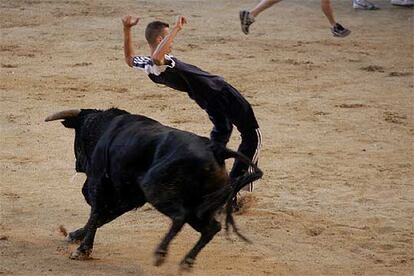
column 226, row 194
column 238, row 184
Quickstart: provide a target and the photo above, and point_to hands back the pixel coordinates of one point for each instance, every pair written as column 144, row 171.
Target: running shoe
column 403, row 2
column 245, row 20
column 339, row 31
column 364, row 5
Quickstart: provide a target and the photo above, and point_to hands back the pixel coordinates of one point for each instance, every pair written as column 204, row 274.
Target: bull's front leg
column 92, row 190
column 79, row 234
column 86, row 234
column 89, row 231
column 76, row 236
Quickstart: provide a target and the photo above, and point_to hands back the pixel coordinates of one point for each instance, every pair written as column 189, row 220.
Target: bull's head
column 75, row 118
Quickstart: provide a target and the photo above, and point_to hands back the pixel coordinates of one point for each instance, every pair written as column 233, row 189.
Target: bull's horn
column 63, row 115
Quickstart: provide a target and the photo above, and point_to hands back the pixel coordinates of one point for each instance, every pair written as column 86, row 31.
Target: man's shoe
column 245, row 20
column 339, row 31
column 364, row 5
column 403, row 2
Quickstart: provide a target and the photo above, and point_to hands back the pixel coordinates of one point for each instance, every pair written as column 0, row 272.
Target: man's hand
column 181, row 20
column 129, row 21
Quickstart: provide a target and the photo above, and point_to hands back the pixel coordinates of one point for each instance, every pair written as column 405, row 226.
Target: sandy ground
column 337, row 115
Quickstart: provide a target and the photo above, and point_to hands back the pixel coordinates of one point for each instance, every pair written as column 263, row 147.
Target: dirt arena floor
column 337, row 116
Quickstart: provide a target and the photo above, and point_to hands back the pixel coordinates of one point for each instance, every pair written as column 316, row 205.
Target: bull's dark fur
column 131, row 159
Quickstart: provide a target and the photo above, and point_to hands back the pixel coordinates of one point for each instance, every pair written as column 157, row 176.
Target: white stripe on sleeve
column 147, row 65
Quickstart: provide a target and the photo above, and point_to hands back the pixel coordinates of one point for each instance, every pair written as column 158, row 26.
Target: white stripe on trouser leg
column 250, row 187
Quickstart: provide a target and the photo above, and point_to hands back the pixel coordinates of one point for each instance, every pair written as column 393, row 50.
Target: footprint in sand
column 356, row 105
column 81, row 89
column 314, row 231
column 8, row 48
column 116, row 89
column 320, row 113
column 298, row 62
column 382, row 230
column 82, row 64
column 193, row 46
column 9, row 66
column 395, row 118
column 386, row 247
column 373, row 68
column 181, row 121
column 11, row 196
column 4, row 238
column 399, row 74
column 11, row 118
column 29, row 55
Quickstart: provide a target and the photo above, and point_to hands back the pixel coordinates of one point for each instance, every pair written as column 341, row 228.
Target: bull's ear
column 71, row 122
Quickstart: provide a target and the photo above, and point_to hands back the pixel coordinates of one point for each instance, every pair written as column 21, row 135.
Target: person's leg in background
column 248, row 17
column 337, row 29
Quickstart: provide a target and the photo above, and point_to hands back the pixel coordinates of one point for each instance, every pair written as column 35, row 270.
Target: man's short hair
column 153, row 30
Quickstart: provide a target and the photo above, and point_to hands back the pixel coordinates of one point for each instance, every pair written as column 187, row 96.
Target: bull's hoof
column 160, row 257
column 75, row 236
column 187, row 264
column 70, row 239
column 80, row 255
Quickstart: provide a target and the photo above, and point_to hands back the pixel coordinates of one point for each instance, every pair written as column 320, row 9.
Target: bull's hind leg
column 162, row 191
column 178, row 218
column 208, row 229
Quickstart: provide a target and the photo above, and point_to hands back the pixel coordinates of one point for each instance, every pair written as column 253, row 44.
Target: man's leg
column 249, row 146
column 222, row 128
column 328, row 11
column 248, row 17
column 263, row 5
column 337, row 29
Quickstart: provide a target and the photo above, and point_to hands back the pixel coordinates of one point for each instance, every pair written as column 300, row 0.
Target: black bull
column 131, row 159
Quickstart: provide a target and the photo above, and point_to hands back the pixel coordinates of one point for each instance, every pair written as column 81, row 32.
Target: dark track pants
column 250, row 145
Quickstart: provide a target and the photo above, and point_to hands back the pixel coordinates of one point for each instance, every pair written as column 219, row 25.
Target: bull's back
column 165, row 158
column 132, row 137
column 133, row 140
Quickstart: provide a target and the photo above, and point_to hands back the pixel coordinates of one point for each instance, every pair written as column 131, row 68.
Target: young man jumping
column 224, row 105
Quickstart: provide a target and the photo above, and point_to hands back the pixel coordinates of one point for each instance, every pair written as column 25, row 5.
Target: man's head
column 155, row 32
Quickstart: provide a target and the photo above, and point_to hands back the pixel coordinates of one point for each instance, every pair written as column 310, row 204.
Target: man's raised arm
column 163, row 48
column 128, row 22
